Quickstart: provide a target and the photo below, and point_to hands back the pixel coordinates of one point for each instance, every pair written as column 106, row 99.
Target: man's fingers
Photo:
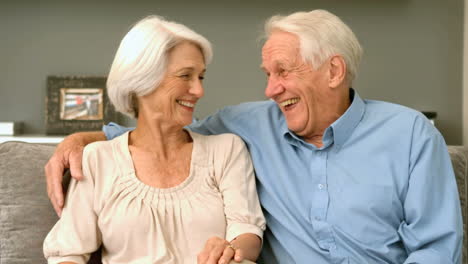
column 214, row 256
column 75, row 160
column 57, row 192
column 218, row 252
column 216, row 249
column 55, row 182
column 58, row 210
column 202, row 257
column 228, row 254
column 239, row 255
column 53, row 170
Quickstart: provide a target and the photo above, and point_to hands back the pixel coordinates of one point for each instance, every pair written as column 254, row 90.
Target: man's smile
column 286, row 104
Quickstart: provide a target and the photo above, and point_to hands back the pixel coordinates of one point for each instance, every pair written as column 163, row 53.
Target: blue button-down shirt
column 380, row 190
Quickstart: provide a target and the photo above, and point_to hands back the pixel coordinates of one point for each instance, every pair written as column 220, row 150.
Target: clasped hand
column 219, row 251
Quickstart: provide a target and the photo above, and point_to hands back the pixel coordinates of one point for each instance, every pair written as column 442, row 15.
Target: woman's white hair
column 141, row 60
column 321, row 36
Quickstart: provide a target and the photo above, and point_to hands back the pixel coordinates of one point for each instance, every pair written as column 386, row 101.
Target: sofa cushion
column 26, row 215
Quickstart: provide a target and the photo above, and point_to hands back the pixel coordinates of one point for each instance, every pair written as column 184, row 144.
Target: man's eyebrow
column 276, row 64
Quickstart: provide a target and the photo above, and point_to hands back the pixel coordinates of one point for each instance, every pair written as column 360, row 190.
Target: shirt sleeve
column 433, row 228
column 237, row 186
column 76, row 235
column 211, row 125
column 113, row 130
column 223, row 121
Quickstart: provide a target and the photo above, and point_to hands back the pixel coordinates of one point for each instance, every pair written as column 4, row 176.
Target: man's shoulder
column 219, row 141
column 388, row 109
column 242, row 119
column 245, row 110
column 397, row 115
column 251, row 115
column 376, row 105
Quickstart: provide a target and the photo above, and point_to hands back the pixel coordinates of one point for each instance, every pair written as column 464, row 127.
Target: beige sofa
column 26, row 214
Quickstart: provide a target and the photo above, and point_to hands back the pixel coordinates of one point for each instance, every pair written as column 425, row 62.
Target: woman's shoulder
column 104, row 162
column 105, row 148
column 218, row 148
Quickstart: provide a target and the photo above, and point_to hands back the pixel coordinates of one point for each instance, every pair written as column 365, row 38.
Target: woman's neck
column 158, row 137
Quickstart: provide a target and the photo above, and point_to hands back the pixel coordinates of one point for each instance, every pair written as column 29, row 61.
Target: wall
column 465, row 77
column 413, row 49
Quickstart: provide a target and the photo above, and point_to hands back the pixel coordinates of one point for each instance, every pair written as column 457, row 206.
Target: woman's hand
column 219, row 251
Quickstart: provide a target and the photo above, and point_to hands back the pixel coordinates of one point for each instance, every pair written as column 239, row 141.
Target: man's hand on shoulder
column 67, row 155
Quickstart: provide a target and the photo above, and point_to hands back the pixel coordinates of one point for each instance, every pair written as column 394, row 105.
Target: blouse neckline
column 128, row 169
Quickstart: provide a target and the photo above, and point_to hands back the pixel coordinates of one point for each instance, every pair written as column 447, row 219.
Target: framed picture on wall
column 77, row 103
column 81, row 104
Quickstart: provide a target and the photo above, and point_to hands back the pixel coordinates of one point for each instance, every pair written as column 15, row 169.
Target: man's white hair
column 141, row 60
column 321, row 35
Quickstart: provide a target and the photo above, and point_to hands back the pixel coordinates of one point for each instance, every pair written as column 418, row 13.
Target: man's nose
column 274, row 87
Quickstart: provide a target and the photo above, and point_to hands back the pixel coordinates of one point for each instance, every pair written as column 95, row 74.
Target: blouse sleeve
column 237, row 186
column 76, row 235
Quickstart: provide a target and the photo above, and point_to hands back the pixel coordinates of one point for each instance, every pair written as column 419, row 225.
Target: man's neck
column 335, row 109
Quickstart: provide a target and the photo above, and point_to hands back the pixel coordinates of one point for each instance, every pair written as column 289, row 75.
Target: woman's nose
column 197, row 89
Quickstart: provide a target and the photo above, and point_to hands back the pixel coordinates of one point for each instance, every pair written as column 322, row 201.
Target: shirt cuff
column 236, row 229
column 427, row 256
column 76, row 259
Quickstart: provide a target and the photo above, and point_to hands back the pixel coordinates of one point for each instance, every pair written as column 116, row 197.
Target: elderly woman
column 160, row 193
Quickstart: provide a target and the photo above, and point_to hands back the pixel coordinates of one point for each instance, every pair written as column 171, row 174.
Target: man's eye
column 201, row 77
column 184, row 76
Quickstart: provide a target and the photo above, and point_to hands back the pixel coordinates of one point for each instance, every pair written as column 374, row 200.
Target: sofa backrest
column 26, row 215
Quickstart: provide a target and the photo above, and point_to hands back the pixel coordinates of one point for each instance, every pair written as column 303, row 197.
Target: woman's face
column 175, row 98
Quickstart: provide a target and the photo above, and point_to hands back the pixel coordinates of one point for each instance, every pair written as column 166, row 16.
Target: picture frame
column 77, row 103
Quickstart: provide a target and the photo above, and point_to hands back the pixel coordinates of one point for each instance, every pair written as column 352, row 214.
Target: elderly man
column 340, row 179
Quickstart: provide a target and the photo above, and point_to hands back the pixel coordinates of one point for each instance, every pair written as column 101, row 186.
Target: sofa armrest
column 459, row 157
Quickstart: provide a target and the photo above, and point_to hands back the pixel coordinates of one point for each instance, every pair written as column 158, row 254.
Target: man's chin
column 294, row 128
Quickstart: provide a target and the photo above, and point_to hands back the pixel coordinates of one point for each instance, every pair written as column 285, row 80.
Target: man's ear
column 337, row 71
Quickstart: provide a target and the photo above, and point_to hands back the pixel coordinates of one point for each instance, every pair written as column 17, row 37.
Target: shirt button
column 332, row 246
column 321, row 186
column 318, row 218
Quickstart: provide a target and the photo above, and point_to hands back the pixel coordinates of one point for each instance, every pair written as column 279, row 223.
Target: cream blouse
column 137, row 223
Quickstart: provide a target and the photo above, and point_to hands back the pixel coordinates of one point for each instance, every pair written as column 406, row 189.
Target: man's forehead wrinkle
column 281, row 52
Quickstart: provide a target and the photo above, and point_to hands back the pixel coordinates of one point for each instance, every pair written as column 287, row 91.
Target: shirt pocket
column 365, row 212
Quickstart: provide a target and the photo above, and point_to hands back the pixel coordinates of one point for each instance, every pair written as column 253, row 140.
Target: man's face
column 299, row 90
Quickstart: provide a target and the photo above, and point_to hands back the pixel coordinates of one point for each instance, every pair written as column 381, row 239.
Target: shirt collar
column 345, row 125
column 336, row 133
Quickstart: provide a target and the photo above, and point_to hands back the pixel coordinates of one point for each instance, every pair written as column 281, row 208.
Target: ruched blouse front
column 138, row 223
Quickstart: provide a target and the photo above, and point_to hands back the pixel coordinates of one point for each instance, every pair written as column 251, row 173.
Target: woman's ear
column 337, row 71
